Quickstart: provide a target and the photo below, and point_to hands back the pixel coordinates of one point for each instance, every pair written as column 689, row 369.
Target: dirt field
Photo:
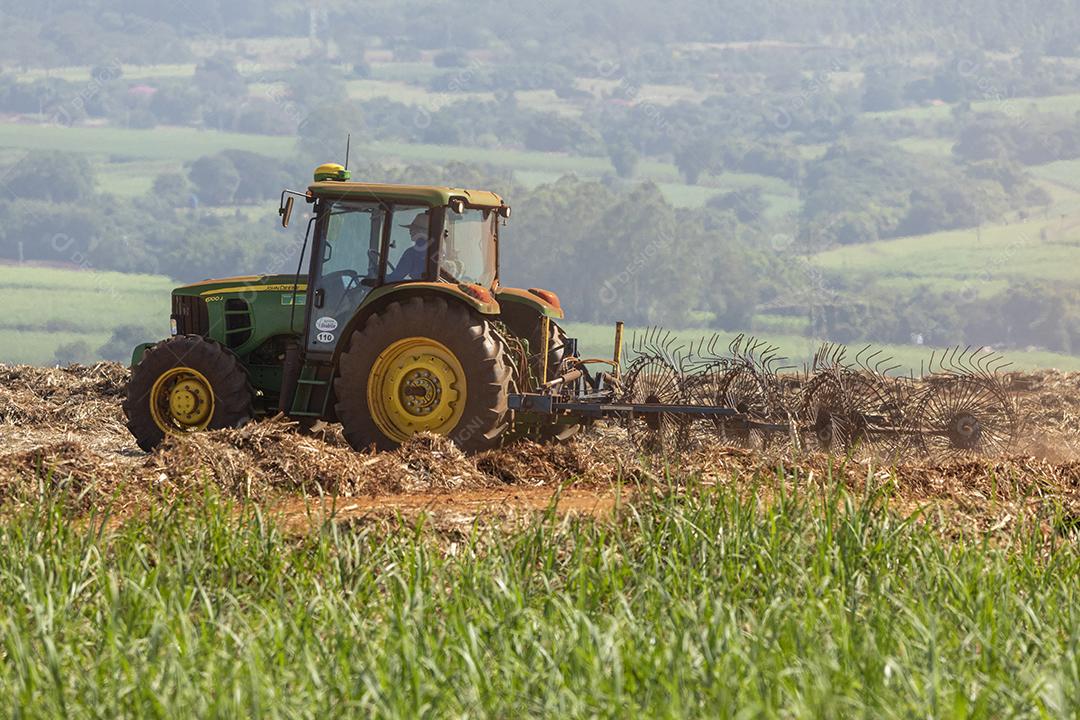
column 64, row 429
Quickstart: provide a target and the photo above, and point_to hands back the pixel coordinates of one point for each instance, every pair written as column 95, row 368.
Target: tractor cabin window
column 468, row 248
column 407, row 254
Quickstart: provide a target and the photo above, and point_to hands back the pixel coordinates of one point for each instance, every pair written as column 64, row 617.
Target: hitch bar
column 550, row 405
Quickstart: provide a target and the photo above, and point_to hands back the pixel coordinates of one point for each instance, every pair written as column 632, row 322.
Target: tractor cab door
column 345, row 268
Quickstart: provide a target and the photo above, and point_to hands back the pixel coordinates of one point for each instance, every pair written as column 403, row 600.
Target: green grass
column 48, row 307
column 705, row 605
column 1063, row 172
column 1066, row 104
column 409, row 72
column 502, row 157
column 694, row 196
column 38, row 347
column 130, row 72
column 597, row 341
column 160, row 143
column 994, row 253
column 927, row 146
column 134, row 178
column 405, row 92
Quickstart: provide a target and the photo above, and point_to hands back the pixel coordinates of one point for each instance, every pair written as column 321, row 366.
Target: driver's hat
column 419, row 223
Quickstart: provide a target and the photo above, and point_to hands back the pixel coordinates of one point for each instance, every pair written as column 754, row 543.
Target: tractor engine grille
column 191, row 315
column 237, row 322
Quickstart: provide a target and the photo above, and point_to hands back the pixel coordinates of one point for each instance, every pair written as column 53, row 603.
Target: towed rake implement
column 674, row 396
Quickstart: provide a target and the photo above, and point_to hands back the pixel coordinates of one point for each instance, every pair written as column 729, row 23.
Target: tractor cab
column 366, row 237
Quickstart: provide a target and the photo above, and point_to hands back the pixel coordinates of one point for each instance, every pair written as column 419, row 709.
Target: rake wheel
column 740, row 388
column 966, row 416
column 655, row 380
column 848, row 410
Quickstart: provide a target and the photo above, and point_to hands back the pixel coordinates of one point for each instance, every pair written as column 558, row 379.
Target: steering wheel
column 373, row 260
column 333, row 280
column 354, row 278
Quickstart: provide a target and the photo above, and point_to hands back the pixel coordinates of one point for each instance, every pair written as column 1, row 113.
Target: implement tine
column 960, row 361
column 712, row 344
column 873, row 365
column 999, row 363
column 735, row 346
column 860, row 361
column 839, row 355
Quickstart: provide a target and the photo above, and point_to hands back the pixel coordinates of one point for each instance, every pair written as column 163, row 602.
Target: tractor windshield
column 468, row 251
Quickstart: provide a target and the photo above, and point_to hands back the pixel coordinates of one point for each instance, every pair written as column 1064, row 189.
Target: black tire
column 526, row 323
column 471, row 340
column 232, row 393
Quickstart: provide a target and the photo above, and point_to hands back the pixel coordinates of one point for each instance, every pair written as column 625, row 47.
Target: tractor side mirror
column 285, row 211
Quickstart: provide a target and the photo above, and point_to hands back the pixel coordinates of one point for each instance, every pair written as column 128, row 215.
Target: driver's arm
column 406, row 266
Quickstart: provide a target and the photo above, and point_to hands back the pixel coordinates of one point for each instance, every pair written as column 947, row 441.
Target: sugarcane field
column 610, row 360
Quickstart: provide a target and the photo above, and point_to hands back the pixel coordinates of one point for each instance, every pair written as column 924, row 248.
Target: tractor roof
column 431, row 195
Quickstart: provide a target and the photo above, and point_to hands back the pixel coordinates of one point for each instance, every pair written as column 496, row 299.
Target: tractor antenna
column 348, row 142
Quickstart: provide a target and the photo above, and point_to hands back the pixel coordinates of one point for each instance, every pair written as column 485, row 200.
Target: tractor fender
column 139, row 351
column 383, row 296
column 531, row 299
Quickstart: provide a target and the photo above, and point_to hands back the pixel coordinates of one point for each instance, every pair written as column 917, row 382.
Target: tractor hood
column 243, row 283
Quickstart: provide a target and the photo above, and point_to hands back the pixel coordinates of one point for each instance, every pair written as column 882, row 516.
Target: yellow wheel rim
column 416, row 384
column 182, row 400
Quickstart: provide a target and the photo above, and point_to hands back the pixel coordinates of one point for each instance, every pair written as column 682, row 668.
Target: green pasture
column 49, row 307
column 1063, row 172
column 1041, row 248
column 130, row 72
column 1067, row 104
column 125, row 144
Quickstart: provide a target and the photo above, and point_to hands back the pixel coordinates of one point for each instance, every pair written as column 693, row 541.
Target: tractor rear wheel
column 185, row 384
column 423, row 365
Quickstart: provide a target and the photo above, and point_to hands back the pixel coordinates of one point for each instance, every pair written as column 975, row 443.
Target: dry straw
column 63, row 428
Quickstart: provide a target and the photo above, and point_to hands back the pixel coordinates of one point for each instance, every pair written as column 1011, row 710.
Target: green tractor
column 398, row 326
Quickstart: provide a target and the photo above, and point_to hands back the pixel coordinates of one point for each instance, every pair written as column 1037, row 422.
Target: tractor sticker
column 326, row 323
column 325, row 337
column 287, row 298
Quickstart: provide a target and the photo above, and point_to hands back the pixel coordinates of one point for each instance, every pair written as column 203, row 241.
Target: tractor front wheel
column 185, row 384
column 423, row 365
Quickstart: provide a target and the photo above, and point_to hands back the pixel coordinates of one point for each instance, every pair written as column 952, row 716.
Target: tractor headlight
column 172, row 325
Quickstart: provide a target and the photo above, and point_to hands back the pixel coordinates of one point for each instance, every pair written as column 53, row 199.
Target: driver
column 413, row 262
